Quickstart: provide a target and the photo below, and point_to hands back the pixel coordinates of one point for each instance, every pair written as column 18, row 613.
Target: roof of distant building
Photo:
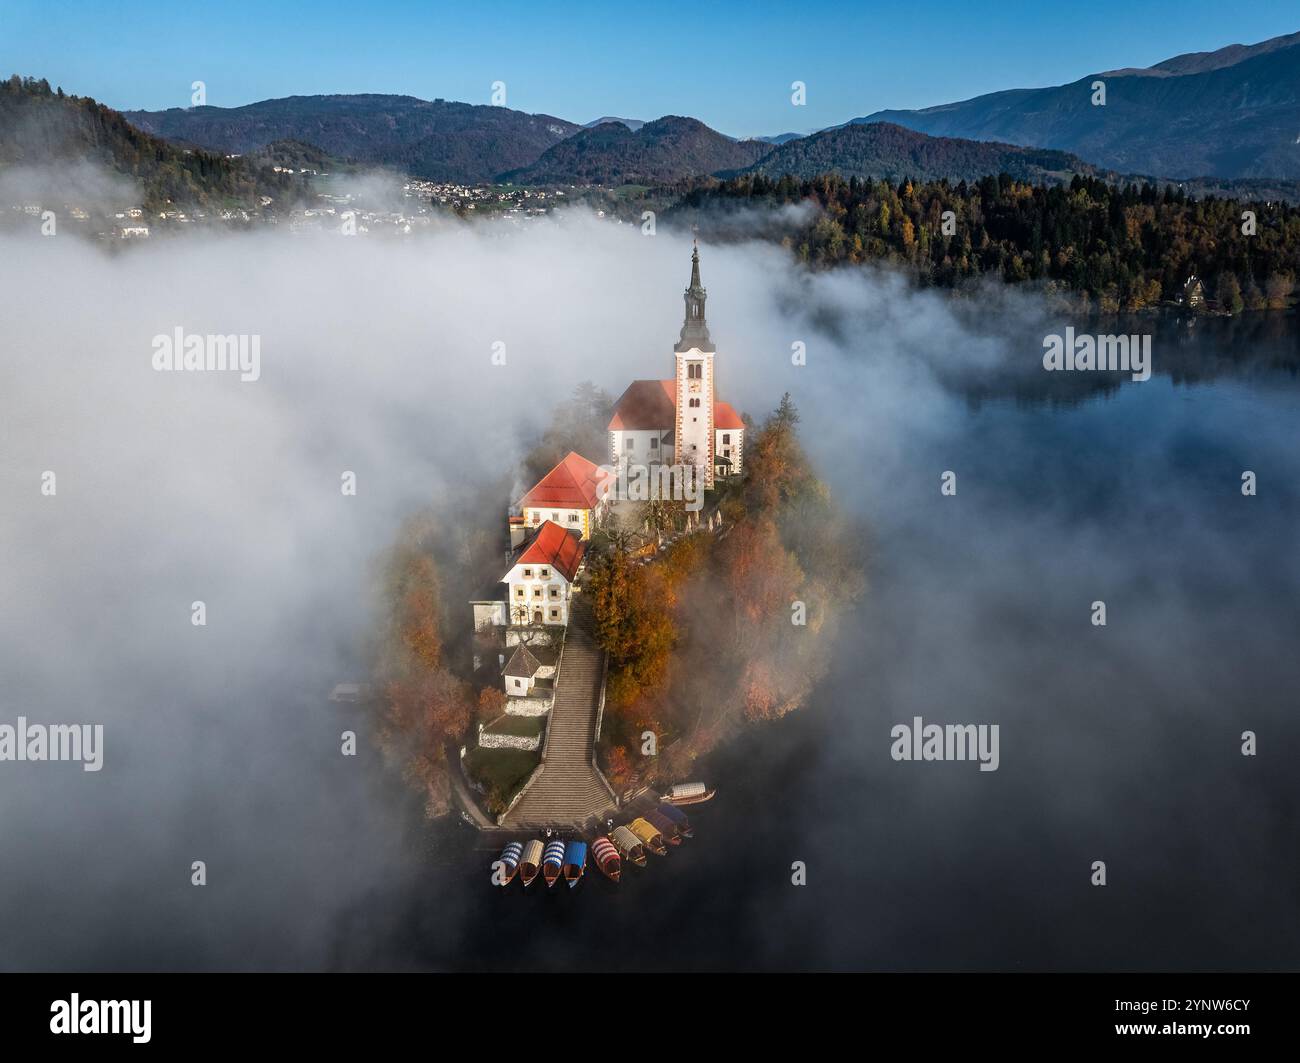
column 726, row 417
column 646, row 404
column 651, row 404
column 536, row 657
column 522, row 663
column 553, row 546
column 573, row 484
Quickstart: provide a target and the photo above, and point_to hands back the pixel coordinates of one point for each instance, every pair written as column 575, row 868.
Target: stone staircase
column 569, row 792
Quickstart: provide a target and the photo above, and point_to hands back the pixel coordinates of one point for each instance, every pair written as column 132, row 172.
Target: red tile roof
column 573, row 484
column 554, row 546
column 648, row 404
column 725, row 417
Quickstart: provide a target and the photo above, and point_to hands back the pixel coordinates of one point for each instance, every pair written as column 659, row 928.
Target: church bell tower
column 695, row 385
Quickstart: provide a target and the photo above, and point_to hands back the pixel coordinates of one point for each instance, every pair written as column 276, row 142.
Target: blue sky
column 727, row 63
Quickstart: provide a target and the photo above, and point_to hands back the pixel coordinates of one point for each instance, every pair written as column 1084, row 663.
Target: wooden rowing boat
column 649, row 836
column 688, row 793
column 628, row 845
column 575, row 862
column 678, row 817
column 553, row 861
column 604, row 854
column 531, row 862
column 665, row 826
column 508, row 862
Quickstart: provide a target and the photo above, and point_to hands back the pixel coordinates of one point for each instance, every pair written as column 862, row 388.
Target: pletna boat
column 604, row 854
column 678, row 817
column 649, row 836
column 575, row 862
column 688, row 793
column 553, row 861
column 628, row 845
column 531, row 862
column 509, row 861
column 665, row 826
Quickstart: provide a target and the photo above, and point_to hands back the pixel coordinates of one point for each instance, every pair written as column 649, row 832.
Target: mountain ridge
column 433, row 139
column 893, row 152
column 660, row 152
column 1232, row 113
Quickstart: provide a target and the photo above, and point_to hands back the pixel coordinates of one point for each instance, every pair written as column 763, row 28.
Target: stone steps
column 569, row 792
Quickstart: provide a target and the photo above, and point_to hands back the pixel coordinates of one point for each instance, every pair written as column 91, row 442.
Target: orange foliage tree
column 704, row 638
column 426, row 707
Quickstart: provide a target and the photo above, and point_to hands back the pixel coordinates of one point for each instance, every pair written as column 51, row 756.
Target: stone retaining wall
column 528, row 706
column 494, row 741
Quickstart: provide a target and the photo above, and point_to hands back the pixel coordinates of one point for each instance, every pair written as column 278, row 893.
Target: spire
column 695, row 329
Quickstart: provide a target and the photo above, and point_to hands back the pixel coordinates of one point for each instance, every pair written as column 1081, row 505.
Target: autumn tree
column 426, row 711
column 761, row 578
column 633, row 622
column 491, row 704
column 1278, row 291
column 426, row 708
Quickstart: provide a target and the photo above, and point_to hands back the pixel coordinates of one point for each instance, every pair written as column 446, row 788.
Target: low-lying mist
column 377, row 358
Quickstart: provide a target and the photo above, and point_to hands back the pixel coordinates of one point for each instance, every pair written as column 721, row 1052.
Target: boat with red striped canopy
column 606, row 857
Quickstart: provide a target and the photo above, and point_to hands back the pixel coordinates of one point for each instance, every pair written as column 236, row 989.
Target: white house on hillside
column 538, row 581
column 573, row 495
column 528, row 667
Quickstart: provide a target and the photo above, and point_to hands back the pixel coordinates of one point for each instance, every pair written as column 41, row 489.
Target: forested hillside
column 44, row 127
column 1127, row 247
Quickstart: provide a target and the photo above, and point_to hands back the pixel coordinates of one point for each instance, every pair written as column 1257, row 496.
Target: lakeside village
column 333, row 207
column 534, row 625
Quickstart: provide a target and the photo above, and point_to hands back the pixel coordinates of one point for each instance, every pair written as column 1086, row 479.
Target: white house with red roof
column 538, row 582
column 573, row 495
column 681, row 421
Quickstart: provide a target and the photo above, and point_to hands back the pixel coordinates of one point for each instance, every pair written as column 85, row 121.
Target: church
column 681, row 421
column 656, row 423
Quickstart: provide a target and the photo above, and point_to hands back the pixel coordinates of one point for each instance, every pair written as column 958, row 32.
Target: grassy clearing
column 518, row 726
column 501, row 773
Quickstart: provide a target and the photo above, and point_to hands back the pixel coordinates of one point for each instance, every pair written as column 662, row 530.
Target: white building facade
column 681, row 421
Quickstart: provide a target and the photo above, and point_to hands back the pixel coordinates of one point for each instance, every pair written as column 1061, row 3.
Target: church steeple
column 695, row 329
